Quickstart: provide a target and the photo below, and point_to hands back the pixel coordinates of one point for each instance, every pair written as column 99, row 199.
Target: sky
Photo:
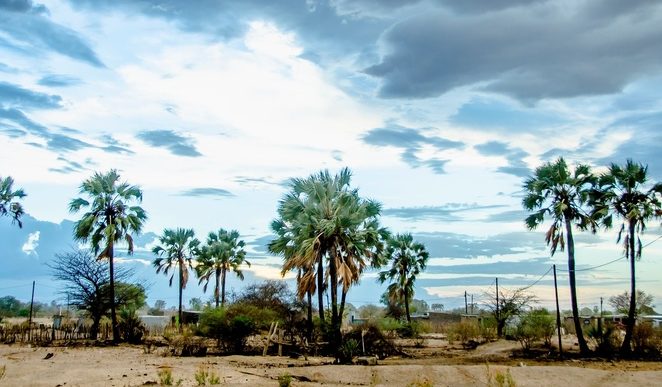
column 440, row 108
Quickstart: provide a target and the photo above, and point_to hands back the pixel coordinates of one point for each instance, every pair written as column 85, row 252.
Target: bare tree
column 86, row 283
column 510, row 303
column 621, row 303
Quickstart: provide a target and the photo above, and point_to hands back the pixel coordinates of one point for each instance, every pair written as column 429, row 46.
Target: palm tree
column 408, row 258
column 112, row 216
column 224, row 252
column 323, row 228
column 620, row 193
column 176, row 251
column 553, row 191
column 7, row 204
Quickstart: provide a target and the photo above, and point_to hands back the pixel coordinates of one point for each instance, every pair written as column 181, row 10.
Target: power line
column 539, row 279
column 593, row 267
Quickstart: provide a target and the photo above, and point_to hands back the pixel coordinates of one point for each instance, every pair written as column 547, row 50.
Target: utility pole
column 31, row 304
column 600, row 306
column 466, row 308
column 558, row 313
column 497, row 298
column 472, row 304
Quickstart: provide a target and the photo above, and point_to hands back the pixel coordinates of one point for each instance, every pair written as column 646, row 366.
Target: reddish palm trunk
column 113, row 313
column 583, row 346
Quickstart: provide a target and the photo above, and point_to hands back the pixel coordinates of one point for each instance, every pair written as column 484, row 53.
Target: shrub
column 410, row 330
column 131, row 327
column 533, row 326
column 607, row 340
column 284, row 380
column 348, row 350
column 645, row 340
column 488, row 329
column 203, row 376
column 231, row 332
column 370, row 337
column 500, row 379
column 464, row 331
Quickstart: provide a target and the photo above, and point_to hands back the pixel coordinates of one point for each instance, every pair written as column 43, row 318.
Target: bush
column 607, row 340
column 464, row 331
column 348, row 350
column 230, row 331
column 646, row 340
column 534, row 326
column 410, row 330
column 131, row 327
column 370, row 337
column 488, row 329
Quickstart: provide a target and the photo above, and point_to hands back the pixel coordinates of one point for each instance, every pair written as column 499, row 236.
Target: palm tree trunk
column 629, row 327
column 216, row 288
column 342, row 304
column 407, row 305
column 333, row 287
column 320, row 286
column 181, row 280
column 310, row 315
column 223, row 287
column 113, row 313
column 583, row 347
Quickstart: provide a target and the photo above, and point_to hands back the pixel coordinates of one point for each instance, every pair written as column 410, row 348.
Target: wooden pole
column 31, row 305
column 497, row 298
column 558, row 313
column 466, row 309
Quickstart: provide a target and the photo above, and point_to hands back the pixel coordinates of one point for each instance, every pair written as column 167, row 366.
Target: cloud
column 15, row 96
column 411, row 142
column 68, row 167
column 207, row 191
column 448, row 212
column 540, row 51
column 484, row 6
column 515, row 157
column 176, row 144
column 58, row 80
column 112, row 145
column 29, row 25
column 508, row 216
column 483, row 113
column 31, row 244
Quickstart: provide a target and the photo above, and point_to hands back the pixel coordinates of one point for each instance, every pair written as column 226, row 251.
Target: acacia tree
column 86, row 283
column 176, row 251
column 223, row 252
column 8, row 204
column 557, row 193
column 621, row 193
column 112, row 216
column 621, row 303
column 509, row 303
column 408, row 258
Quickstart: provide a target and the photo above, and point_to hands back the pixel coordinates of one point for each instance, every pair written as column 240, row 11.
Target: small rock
column 366, row 360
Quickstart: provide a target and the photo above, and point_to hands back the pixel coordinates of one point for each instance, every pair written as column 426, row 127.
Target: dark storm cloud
column 16, row 96
column 410, row 141
column 30, row 25
column 448, row 212
column 529, row 53
column 323, row 32
column 176, row 144
column 515, row 156
column 643, row 146
column 58, row 80
column 207, row 191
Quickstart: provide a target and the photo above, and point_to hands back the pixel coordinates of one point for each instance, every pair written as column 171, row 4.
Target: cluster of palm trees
column 578, row 197
column 179, row 250
column 113, row 213
column 329, row 235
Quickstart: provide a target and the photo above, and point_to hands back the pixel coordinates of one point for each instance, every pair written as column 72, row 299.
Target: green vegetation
column 223, row 252
column 621, row 193
column 557, row 193
column 408, row 258
column 112, row 216
column 284, row 380
column 8, row 204
column 176, row 251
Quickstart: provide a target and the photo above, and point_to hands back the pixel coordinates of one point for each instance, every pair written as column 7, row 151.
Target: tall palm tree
column 408, row 258
column 113, row 214
column 224, row 252
column 621, row 193
column 8, row 205
column 556, row 192
column 322, row 221
column 176, row 251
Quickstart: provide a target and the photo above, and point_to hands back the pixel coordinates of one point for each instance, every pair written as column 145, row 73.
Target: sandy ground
column 131, row 366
